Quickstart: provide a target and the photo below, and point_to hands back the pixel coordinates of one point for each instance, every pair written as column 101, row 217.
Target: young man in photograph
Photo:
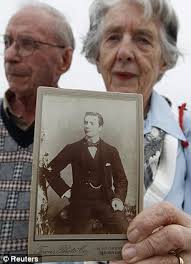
column 99, row 184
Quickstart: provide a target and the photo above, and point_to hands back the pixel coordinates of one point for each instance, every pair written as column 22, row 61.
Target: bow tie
column 91, row 144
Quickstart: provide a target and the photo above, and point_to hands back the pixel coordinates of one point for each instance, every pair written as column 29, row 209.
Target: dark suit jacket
column 111, row 167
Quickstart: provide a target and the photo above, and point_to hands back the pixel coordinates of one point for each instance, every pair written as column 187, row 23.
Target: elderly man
column 39, row 45
column 95, row 166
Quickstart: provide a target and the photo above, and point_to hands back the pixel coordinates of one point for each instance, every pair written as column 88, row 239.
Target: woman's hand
column 157, row 231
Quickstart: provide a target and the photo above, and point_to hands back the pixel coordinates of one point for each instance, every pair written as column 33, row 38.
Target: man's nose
column 87, row 125
column 12, row 53
column 126, row 50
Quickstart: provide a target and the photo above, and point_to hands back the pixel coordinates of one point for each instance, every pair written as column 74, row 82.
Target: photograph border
column 72, row 247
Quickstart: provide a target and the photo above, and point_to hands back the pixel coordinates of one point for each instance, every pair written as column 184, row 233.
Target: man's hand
column 67, row 194
column 117, row 204
column 156, row 232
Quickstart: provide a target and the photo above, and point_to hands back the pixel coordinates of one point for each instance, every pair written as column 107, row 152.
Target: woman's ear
column 97, row 64
column 163, row 66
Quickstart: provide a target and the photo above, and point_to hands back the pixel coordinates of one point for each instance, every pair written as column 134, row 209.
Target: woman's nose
column 126, row 50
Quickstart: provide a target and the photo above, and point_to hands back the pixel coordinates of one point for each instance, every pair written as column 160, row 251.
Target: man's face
column 91, row 126
column 130, row 57
column 41, row 68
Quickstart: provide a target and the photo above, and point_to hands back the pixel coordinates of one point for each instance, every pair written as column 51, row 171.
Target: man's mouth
column 16, row 71
column 17, row 74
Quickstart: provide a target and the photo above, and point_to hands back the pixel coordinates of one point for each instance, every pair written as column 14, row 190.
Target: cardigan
column 16, row 148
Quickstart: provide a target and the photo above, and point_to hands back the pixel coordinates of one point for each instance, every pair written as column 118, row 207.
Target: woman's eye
column 143, row 40
column 113, row 37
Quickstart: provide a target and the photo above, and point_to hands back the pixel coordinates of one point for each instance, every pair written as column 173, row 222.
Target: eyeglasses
column 25, row 45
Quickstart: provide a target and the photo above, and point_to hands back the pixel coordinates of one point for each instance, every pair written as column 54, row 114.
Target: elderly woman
column 133, row 43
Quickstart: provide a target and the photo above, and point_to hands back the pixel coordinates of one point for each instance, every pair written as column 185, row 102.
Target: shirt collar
column 88, row 142
column 8, row 111
column 160, row 115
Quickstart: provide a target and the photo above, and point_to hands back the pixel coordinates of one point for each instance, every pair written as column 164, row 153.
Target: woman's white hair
column 156, row 9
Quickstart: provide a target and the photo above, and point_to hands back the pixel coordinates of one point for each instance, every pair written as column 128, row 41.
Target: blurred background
column 176, row 84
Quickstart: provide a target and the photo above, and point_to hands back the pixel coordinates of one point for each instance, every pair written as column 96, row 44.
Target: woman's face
column 130, row 57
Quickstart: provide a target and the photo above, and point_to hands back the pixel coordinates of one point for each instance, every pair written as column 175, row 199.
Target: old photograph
column 87, row 173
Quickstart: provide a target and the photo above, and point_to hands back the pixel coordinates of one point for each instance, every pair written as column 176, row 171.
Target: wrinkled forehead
column 128, row 15
column 32, row 20
column 124, row 10
column 144, row 6
column 31, row 14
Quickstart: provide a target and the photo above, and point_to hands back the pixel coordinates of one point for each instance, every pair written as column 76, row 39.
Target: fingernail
column 129, row 253
column 133, row 235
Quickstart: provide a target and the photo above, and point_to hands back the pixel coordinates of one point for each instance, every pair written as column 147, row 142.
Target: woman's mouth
column 125, row 75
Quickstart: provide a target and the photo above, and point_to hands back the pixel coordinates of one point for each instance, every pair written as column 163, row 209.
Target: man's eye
column 7, row 42
column 27, row 43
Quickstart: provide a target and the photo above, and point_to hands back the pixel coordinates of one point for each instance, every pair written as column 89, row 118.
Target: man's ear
column 66, row 59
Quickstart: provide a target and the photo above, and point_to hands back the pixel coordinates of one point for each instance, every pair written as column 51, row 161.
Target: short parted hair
column 100, row 117
column 153, row 9
column 61, row 27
